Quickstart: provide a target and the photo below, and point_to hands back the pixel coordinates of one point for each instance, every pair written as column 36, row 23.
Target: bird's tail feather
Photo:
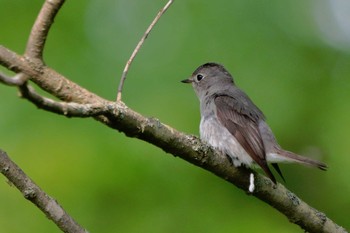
column 287, row 156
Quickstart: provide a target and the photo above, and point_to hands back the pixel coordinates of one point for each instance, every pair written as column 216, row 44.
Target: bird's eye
column 199, row 77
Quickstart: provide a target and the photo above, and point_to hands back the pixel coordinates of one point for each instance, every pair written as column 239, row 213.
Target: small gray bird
column 232, row 123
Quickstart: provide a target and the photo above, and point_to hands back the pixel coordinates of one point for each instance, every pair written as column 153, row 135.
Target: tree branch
column 187, row 147
column 37, row 196
column 41, row 27
column 46, row 78
column 62, row 108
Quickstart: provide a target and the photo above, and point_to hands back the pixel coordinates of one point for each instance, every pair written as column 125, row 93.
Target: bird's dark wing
column 241, row 117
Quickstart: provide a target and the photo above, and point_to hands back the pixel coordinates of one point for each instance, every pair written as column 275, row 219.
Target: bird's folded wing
column 240, row 116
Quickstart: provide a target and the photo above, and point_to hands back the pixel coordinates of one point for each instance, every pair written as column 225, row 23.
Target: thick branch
column 187, row 147
column 37, row 196
column 46, row 78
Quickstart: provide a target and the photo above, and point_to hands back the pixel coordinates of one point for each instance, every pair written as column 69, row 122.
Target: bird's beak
column 189, row 80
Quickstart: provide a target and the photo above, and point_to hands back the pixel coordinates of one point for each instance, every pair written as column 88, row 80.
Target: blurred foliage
column 277, row 52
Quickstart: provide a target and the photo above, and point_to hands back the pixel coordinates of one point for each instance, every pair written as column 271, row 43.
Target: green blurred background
column 291, row 57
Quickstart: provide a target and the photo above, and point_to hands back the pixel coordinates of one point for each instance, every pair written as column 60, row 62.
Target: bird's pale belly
column 216, row 135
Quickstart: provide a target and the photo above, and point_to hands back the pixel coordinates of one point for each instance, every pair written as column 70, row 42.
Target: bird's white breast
column 216, row 135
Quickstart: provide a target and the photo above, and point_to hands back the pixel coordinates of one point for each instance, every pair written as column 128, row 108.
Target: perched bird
column 234, row 125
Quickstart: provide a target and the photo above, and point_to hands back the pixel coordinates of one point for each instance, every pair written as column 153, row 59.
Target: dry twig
column 63, row 108
column 137, row 48
column 17, row 80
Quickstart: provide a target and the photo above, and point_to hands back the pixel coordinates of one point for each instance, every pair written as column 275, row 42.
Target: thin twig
column 68, row 109
column 17, row 80
column 37, row 196
column 138, row 46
